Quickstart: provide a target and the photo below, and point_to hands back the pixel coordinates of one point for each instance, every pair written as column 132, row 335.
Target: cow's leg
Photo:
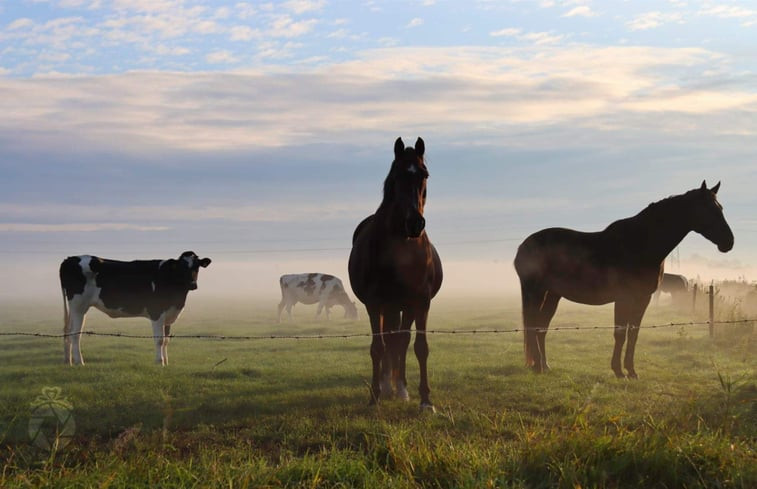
column 421, row 352
column 633, row 334
column 390, row 326
column 289, row 311
column 328, row 313
column 377, row 350
column 158, row 334
column 281, row 308
column 403, row 341
column 73, row 348
column 320, row 308
column 164, row 345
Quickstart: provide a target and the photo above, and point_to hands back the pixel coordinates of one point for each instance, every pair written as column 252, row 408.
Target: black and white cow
column 309, row 288
column 155, row 289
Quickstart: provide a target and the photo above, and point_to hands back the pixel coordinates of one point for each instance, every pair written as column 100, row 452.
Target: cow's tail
column 65, row 311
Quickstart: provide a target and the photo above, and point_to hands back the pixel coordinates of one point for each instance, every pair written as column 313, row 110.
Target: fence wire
column 483, row 331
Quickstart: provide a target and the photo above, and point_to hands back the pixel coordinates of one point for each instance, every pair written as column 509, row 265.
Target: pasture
column 294, row 413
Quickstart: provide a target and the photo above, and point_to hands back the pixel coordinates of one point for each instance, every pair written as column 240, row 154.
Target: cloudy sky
column 259, row 133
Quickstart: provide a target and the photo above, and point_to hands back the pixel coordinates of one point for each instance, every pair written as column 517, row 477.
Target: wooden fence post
column 694, row 299
column 712, row 310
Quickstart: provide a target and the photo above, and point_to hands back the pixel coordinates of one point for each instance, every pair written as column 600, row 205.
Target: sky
column 259, row 133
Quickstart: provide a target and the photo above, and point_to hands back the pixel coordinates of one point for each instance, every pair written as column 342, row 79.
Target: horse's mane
column 667, row 205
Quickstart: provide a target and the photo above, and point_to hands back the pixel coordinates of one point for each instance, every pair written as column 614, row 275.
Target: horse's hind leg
column 546, row 313
column 530, row 295
column 539, row 306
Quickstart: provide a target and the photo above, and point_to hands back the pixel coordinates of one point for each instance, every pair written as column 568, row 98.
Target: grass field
column 294, row 413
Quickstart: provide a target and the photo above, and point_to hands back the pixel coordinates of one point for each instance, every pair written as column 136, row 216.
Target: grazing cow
column 155, row 289
column 675, row 285
column 309, row 288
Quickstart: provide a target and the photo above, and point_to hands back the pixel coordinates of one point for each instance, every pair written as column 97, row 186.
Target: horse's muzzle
column 414, row 225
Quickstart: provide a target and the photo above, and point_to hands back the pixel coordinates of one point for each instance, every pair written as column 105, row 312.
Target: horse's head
column 708, row 219
column 405, row 188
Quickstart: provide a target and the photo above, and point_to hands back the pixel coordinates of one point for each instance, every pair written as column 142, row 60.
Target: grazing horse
column 622, row 264
column 395, row 271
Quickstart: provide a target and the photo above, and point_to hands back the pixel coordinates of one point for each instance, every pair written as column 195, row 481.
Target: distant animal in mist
column 675, row 285
column 311, row 288
column 395, row 271
column 155, row 289
column 621, row 264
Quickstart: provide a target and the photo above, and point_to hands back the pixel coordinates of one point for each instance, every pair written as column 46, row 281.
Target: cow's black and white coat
column 309, row 288
column 155, row 289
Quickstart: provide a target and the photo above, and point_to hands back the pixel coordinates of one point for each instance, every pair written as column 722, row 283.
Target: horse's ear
column 420, row 147
column 399, row 148
column 715, row 189
column 704, row 185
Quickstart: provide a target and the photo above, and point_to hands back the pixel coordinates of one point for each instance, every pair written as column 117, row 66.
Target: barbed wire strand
column 368, row 334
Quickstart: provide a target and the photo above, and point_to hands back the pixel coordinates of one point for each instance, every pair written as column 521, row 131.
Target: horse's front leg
column 633, row 334
column 400, row 378
column 421, row 352
column 621, row 328
column 377, row 351
column 390, row 327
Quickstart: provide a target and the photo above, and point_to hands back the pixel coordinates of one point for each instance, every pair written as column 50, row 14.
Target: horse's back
column 542, row 247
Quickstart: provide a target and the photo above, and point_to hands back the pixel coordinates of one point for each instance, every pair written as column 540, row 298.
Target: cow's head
column 188, row 265
column 350, row 310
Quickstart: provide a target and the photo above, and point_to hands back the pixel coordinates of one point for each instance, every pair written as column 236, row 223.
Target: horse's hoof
column 633, row 375
column 403, row 395
column 427, row 407
column 620, row 375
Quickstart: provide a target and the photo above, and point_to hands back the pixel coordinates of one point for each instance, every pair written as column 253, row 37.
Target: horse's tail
column 527, row 308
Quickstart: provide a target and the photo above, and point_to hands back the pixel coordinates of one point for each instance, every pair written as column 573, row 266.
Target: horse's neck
column 384, row 219
column 660, row 229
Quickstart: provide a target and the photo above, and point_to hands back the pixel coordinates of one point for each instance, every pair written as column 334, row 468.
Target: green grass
column 294, row 413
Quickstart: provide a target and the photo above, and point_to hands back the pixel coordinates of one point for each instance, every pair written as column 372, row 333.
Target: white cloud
column 415, row 22
column 747, row 16
column 221, row 56
column 580, row 11
column 245, row 10
column 485, row 88
column 542, row 38
column 244, row 33
column 537, row 38
column 302, row 6
column 508, row 32
column 285, row 26
column 21, row 23
column 651, row 20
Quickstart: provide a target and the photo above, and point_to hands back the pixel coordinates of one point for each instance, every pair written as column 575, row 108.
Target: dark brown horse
column 622, row 264
column 395, row 271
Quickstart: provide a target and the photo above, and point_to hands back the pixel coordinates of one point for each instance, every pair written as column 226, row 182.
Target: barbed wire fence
column 460, row 332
